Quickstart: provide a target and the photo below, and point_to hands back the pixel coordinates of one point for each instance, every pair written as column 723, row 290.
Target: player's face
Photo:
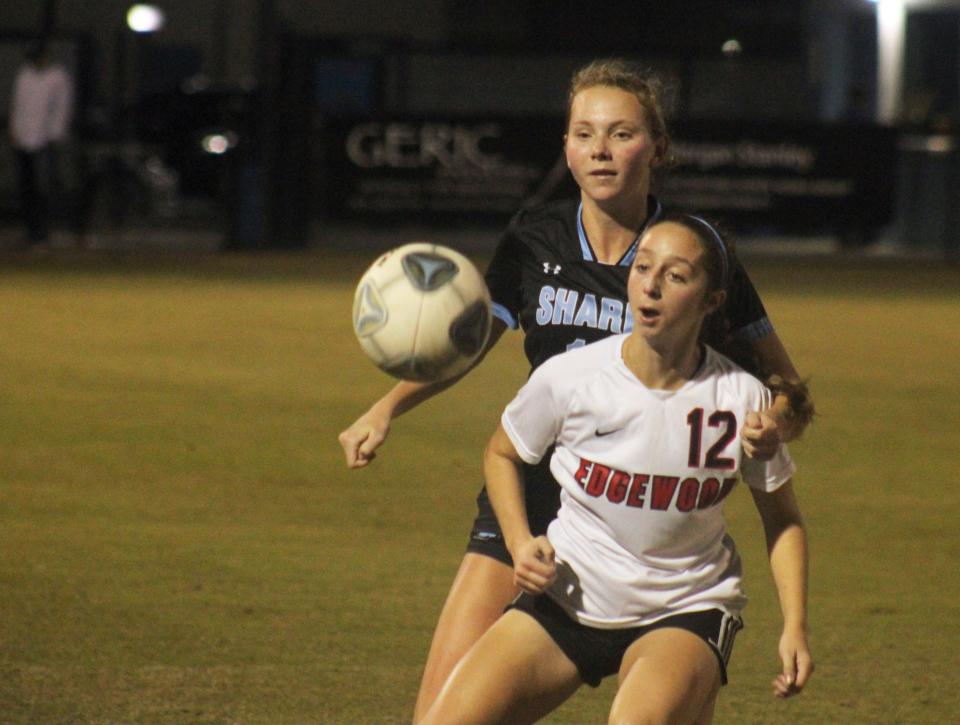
column 669, row 285
column 608, row 146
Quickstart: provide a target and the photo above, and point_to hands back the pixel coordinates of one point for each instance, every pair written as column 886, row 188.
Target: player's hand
column 797, row 665
column 534, row 565
column 361, row 440
column 760, row 436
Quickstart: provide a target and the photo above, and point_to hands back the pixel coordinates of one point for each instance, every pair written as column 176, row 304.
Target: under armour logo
column 547, row 268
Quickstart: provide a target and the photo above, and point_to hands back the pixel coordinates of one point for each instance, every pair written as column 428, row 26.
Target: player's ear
column 660, row 155
column 714, row 300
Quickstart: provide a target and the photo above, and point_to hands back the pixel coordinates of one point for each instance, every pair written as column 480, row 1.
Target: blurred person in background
column 41, row 110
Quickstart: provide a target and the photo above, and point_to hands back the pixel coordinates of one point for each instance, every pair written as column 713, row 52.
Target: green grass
column 180, row 541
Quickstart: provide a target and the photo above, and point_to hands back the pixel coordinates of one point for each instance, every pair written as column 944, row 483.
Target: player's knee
column 649, row 711
column 635, row 718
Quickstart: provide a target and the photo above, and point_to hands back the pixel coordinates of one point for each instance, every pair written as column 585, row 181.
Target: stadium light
column 142, row 18
column 218, row 144
column 891, row 45
column 731, row 47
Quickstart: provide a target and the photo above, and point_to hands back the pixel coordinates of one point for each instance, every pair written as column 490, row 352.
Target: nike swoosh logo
column 600, row 433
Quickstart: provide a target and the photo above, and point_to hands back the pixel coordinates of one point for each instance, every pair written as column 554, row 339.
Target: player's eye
column 677, row 277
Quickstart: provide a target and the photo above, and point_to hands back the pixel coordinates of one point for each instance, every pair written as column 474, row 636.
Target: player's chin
column 603, row 191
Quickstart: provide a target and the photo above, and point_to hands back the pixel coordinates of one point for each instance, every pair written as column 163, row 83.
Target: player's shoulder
column 550, row 211
column 577, row 363
column 734, row 380
column 547, row 220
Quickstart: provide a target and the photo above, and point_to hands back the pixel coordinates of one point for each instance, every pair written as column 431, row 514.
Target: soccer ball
column 422, row 312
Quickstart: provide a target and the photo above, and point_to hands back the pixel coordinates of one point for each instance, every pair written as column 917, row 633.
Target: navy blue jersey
column 544, row 278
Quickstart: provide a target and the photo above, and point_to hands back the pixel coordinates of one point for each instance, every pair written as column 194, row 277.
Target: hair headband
column 718, row 240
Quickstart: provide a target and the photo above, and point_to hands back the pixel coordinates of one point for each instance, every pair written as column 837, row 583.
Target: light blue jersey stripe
column 627, row 258
column 503, row 314
column 584, row 244
column 652, row 219
column 756, row 330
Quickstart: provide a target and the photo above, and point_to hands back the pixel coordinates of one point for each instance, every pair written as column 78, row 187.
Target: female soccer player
column 636, row 575
column 560, row 273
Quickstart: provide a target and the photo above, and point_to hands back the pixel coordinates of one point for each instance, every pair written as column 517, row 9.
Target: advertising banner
column 785, row 179
column 436, row 168
column 769, row 178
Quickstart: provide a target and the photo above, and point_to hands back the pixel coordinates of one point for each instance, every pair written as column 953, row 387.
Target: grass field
column 180, row 541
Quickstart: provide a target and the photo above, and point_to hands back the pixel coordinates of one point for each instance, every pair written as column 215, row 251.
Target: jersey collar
column 627, row 259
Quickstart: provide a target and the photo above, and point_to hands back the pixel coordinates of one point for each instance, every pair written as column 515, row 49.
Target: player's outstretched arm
column 792, row 408
column 365, row 435
column 787, row 548
column 534, row 566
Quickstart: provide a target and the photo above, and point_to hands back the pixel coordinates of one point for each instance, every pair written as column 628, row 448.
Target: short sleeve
column 503, row 276
column 769, row 475
column 745, row 311
column 532, row 420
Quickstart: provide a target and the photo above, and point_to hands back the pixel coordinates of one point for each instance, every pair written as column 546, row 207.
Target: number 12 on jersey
column 718, row 419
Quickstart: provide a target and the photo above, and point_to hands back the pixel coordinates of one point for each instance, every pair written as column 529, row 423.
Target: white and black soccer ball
column 422, row 312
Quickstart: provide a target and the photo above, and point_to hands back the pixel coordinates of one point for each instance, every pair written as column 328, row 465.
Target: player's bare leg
column 669, row 676
column 481, row 590
column 514, row 674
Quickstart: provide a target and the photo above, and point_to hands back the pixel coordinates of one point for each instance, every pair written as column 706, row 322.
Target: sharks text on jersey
column 561, row 306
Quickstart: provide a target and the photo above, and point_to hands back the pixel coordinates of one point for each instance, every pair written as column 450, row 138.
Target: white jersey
column 640, row 534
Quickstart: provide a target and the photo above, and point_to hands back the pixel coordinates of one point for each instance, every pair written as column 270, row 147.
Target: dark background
column 282, row 83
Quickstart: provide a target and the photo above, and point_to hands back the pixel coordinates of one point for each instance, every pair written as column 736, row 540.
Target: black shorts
column 542, row 498
column 598, row 653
